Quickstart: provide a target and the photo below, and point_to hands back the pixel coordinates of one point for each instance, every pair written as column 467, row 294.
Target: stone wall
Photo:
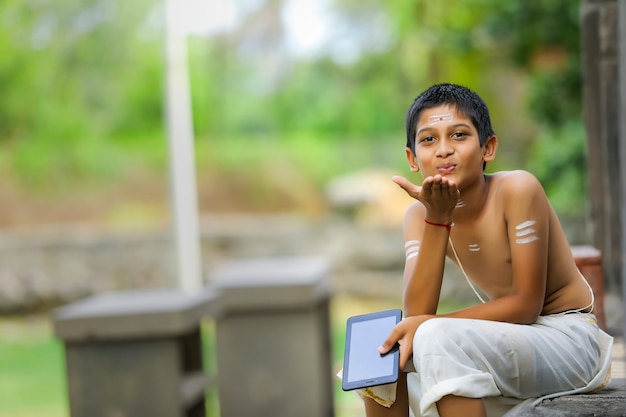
column 43, row 268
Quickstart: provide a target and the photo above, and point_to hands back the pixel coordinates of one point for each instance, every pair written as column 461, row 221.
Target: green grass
column 32, row 375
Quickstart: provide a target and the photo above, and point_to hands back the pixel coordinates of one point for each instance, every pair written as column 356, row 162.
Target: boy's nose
column 444, row 149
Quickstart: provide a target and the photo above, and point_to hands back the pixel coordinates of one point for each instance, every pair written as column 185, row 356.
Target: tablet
column 363, row 366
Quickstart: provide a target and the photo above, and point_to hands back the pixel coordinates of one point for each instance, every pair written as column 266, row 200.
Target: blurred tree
column 462, row 41
column 66, row 71
column 543, row 39
column 98, row 64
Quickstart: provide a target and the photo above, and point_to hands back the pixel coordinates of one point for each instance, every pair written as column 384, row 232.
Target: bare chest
column 482, row 251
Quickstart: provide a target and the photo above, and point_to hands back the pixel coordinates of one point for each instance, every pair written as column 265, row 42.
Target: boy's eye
column 427, row 139
column 457, row 135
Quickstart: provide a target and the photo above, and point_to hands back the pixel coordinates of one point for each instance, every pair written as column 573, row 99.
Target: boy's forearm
column 510, row 309
column 422, row 284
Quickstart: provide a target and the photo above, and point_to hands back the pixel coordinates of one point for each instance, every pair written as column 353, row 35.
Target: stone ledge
column 610, row 402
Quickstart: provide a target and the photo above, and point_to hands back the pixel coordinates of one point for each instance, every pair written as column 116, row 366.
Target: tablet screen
column 363, row 365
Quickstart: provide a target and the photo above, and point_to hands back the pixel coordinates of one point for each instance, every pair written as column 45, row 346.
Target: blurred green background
column 286, row 95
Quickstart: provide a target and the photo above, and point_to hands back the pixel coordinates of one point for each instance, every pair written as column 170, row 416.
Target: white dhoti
column 557, row 355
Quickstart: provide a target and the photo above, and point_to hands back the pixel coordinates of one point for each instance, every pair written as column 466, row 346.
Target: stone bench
column 135, row 353
column 610, row 402
column 140, row 352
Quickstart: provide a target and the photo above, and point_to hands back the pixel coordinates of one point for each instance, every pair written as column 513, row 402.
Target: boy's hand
column 438, row 194
column 403, row 334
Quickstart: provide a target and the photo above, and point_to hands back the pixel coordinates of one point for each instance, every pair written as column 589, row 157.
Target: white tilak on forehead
column 440, row 118
column 412, row 248
column 460, row 203
column 525, row 232
column 474, row 247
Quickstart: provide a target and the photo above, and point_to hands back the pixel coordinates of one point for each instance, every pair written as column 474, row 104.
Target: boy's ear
column 489, row 148
column 410, row 157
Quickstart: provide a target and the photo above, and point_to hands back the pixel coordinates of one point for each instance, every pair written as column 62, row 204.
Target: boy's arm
column 426, row 244
column 526, row 212
column 424, row 265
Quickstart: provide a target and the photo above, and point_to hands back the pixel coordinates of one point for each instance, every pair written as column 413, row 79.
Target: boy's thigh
column 524, row 360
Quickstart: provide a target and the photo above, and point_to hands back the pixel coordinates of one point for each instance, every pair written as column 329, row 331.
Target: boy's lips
column 446, row 169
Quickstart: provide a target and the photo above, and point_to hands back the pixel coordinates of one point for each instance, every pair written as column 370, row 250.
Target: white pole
column 179, row 121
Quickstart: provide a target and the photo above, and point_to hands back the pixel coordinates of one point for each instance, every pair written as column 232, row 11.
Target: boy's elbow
column 528, row 318
column 523, row 310
column 528, row 313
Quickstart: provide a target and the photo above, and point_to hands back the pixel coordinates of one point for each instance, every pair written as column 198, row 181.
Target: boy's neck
column 472, row 201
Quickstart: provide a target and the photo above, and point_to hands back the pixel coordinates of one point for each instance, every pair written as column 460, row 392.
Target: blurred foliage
column 544, row 41
column 71, row 79
column 522, row 57
column 82, row 86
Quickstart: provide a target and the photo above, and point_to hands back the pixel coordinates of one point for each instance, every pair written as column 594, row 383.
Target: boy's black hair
column 464, row 100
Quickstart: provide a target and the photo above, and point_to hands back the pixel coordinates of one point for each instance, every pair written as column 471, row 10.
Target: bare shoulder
column 415, row 211
column 515, row 183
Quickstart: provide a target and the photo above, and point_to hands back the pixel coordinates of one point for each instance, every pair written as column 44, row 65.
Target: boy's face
column 447, row 143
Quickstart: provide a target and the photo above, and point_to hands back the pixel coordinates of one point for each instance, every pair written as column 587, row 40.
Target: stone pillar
column 273, row 338
column 602, row 115
column 622, row 140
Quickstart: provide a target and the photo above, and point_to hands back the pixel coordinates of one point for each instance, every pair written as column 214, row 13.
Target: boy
column 536, row 335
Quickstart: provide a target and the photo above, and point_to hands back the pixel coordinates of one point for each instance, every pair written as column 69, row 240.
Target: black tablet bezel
column 369, row 382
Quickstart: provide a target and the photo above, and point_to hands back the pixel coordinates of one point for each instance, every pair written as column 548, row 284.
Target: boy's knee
column 435, row 334
column 434, row 328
